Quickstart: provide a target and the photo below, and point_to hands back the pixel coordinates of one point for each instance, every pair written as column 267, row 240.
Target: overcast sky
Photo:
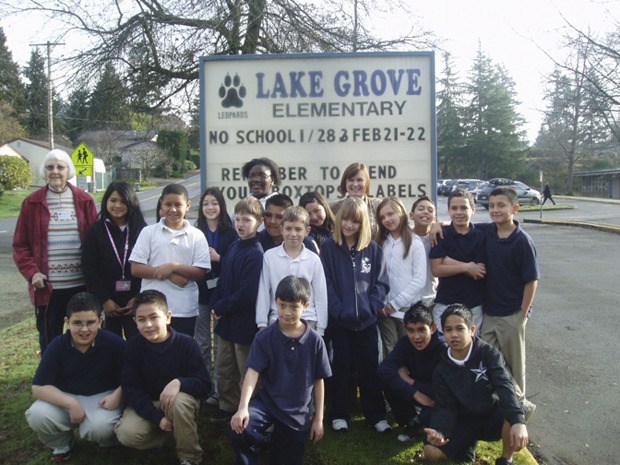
column 511, row 33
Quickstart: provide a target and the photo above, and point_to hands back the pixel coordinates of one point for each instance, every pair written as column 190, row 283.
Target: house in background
column 603, row 183
column 8, row 151
column 34, row 151
column 132, row 153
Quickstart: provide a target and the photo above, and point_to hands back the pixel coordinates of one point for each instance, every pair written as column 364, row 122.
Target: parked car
column 527, row 195
column 440, row 183
column 469, row 184
column 446, row 187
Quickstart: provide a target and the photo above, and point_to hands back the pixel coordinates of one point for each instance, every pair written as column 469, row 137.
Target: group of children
column 276, row 299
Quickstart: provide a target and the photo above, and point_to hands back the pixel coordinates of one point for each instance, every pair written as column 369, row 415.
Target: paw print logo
column 232, row 92
column 366, row 265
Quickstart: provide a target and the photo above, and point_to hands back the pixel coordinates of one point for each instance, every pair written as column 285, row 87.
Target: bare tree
column 156, row 43
column 581, row 115
column 148, row 160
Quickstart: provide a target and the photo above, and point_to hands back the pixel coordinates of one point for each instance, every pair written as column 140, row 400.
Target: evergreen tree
column 494, row 142
column 449, row 126
column 36, row 96
column 12, row 91
column 75, row 112
column 10, row 128
column 108, row 106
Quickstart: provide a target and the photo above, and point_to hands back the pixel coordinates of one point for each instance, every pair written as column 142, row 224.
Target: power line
column 50, row 104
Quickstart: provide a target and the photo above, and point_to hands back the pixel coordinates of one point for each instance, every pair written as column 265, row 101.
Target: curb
column 580, row 224
column 589, row 199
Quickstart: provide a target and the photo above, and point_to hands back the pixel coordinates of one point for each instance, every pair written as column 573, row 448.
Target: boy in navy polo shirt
column 77, row 384
column 512, row 279
column 458, row 260
column 291, row 360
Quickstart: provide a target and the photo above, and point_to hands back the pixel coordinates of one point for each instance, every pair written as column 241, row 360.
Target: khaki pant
column 230, row 365
column 54, row 427
column 391, row 330
column 507, row 333
column 139, row 433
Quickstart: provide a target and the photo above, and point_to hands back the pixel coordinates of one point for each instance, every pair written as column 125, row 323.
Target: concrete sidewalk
column 611, row 224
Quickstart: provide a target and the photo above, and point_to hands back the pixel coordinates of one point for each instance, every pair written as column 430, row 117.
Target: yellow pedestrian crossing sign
column 84, row 160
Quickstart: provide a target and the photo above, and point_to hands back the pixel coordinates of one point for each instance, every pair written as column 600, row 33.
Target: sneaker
column 221, row 416
column 61, row 455
column 213, row 401
column 528, row 409
column 503, row 461
column 187, row 462
column 382, row 427
column 340, row 425
column 410, row 430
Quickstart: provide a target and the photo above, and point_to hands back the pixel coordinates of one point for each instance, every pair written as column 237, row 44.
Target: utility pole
column 50, row 103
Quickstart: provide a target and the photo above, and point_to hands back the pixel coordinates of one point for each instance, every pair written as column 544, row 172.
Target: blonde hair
column 249, row 206
column 294, row 214
column 403, row 227
column 355, row 210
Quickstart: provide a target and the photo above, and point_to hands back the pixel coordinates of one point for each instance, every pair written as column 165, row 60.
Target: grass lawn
column 19, row 445
column 11, row 202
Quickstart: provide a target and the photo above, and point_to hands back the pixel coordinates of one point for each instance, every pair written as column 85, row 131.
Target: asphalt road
column 573, row 367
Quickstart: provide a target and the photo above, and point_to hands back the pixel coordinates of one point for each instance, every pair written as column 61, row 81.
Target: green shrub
column 14, row 173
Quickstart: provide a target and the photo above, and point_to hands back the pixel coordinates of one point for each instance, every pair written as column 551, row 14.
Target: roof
column 599, row 172
column 39, row 143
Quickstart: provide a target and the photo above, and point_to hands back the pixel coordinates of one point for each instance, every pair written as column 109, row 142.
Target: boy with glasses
column 77, row 383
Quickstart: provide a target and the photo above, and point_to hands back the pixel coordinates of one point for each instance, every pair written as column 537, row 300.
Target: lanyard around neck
column 124, row 261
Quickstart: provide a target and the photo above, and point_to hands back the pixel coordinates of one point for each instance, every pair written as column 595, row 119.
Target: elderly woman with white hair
column 46, row 246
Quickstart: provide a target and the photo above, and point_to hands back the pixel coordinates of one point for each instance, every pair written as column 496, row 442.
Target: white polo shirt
column 158, row 244
column 278, row 265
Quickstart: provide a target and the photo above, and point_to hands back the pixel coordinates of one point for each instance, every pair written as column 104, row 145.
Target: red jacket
column 30, row 239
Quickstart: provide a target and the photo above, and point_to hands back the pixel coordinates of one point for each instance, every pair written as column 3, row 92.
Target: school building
column 600, row 183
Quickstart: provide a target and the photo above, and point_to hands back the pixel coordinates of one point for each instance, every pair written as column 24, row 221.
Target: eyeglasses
column 60, row 168
column 261, row 176
column 79, row 325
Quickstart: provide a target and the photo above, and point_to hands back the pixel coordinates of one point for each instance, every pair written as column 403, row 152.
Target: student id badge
column 123, row 285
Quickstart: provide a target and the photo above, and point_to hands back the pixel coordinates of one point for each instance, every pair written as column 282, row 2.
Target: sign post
column 316, row 114
column 83, row 160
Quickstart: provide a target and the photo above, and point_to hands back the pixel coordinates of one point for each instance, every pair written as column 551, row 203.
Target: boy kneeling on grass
column 291, row 360
column 77, row 383
column 474, row 396
column 406, row 374
column 163, row 377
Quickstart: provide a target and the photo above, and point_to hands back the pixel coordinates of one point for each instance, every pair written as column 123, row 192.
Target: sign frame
column 209, row 99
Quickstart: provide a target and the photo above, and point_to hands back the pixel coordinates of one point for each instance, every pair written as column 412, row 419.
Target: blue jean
column 287, row 445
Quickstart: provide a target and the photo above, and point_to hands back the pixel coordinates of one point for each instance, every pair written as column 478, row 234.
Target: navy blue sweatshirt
column 234, row 299
column 420, row 364
column 149, row 367
column 356, row 284
column 473, row 390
